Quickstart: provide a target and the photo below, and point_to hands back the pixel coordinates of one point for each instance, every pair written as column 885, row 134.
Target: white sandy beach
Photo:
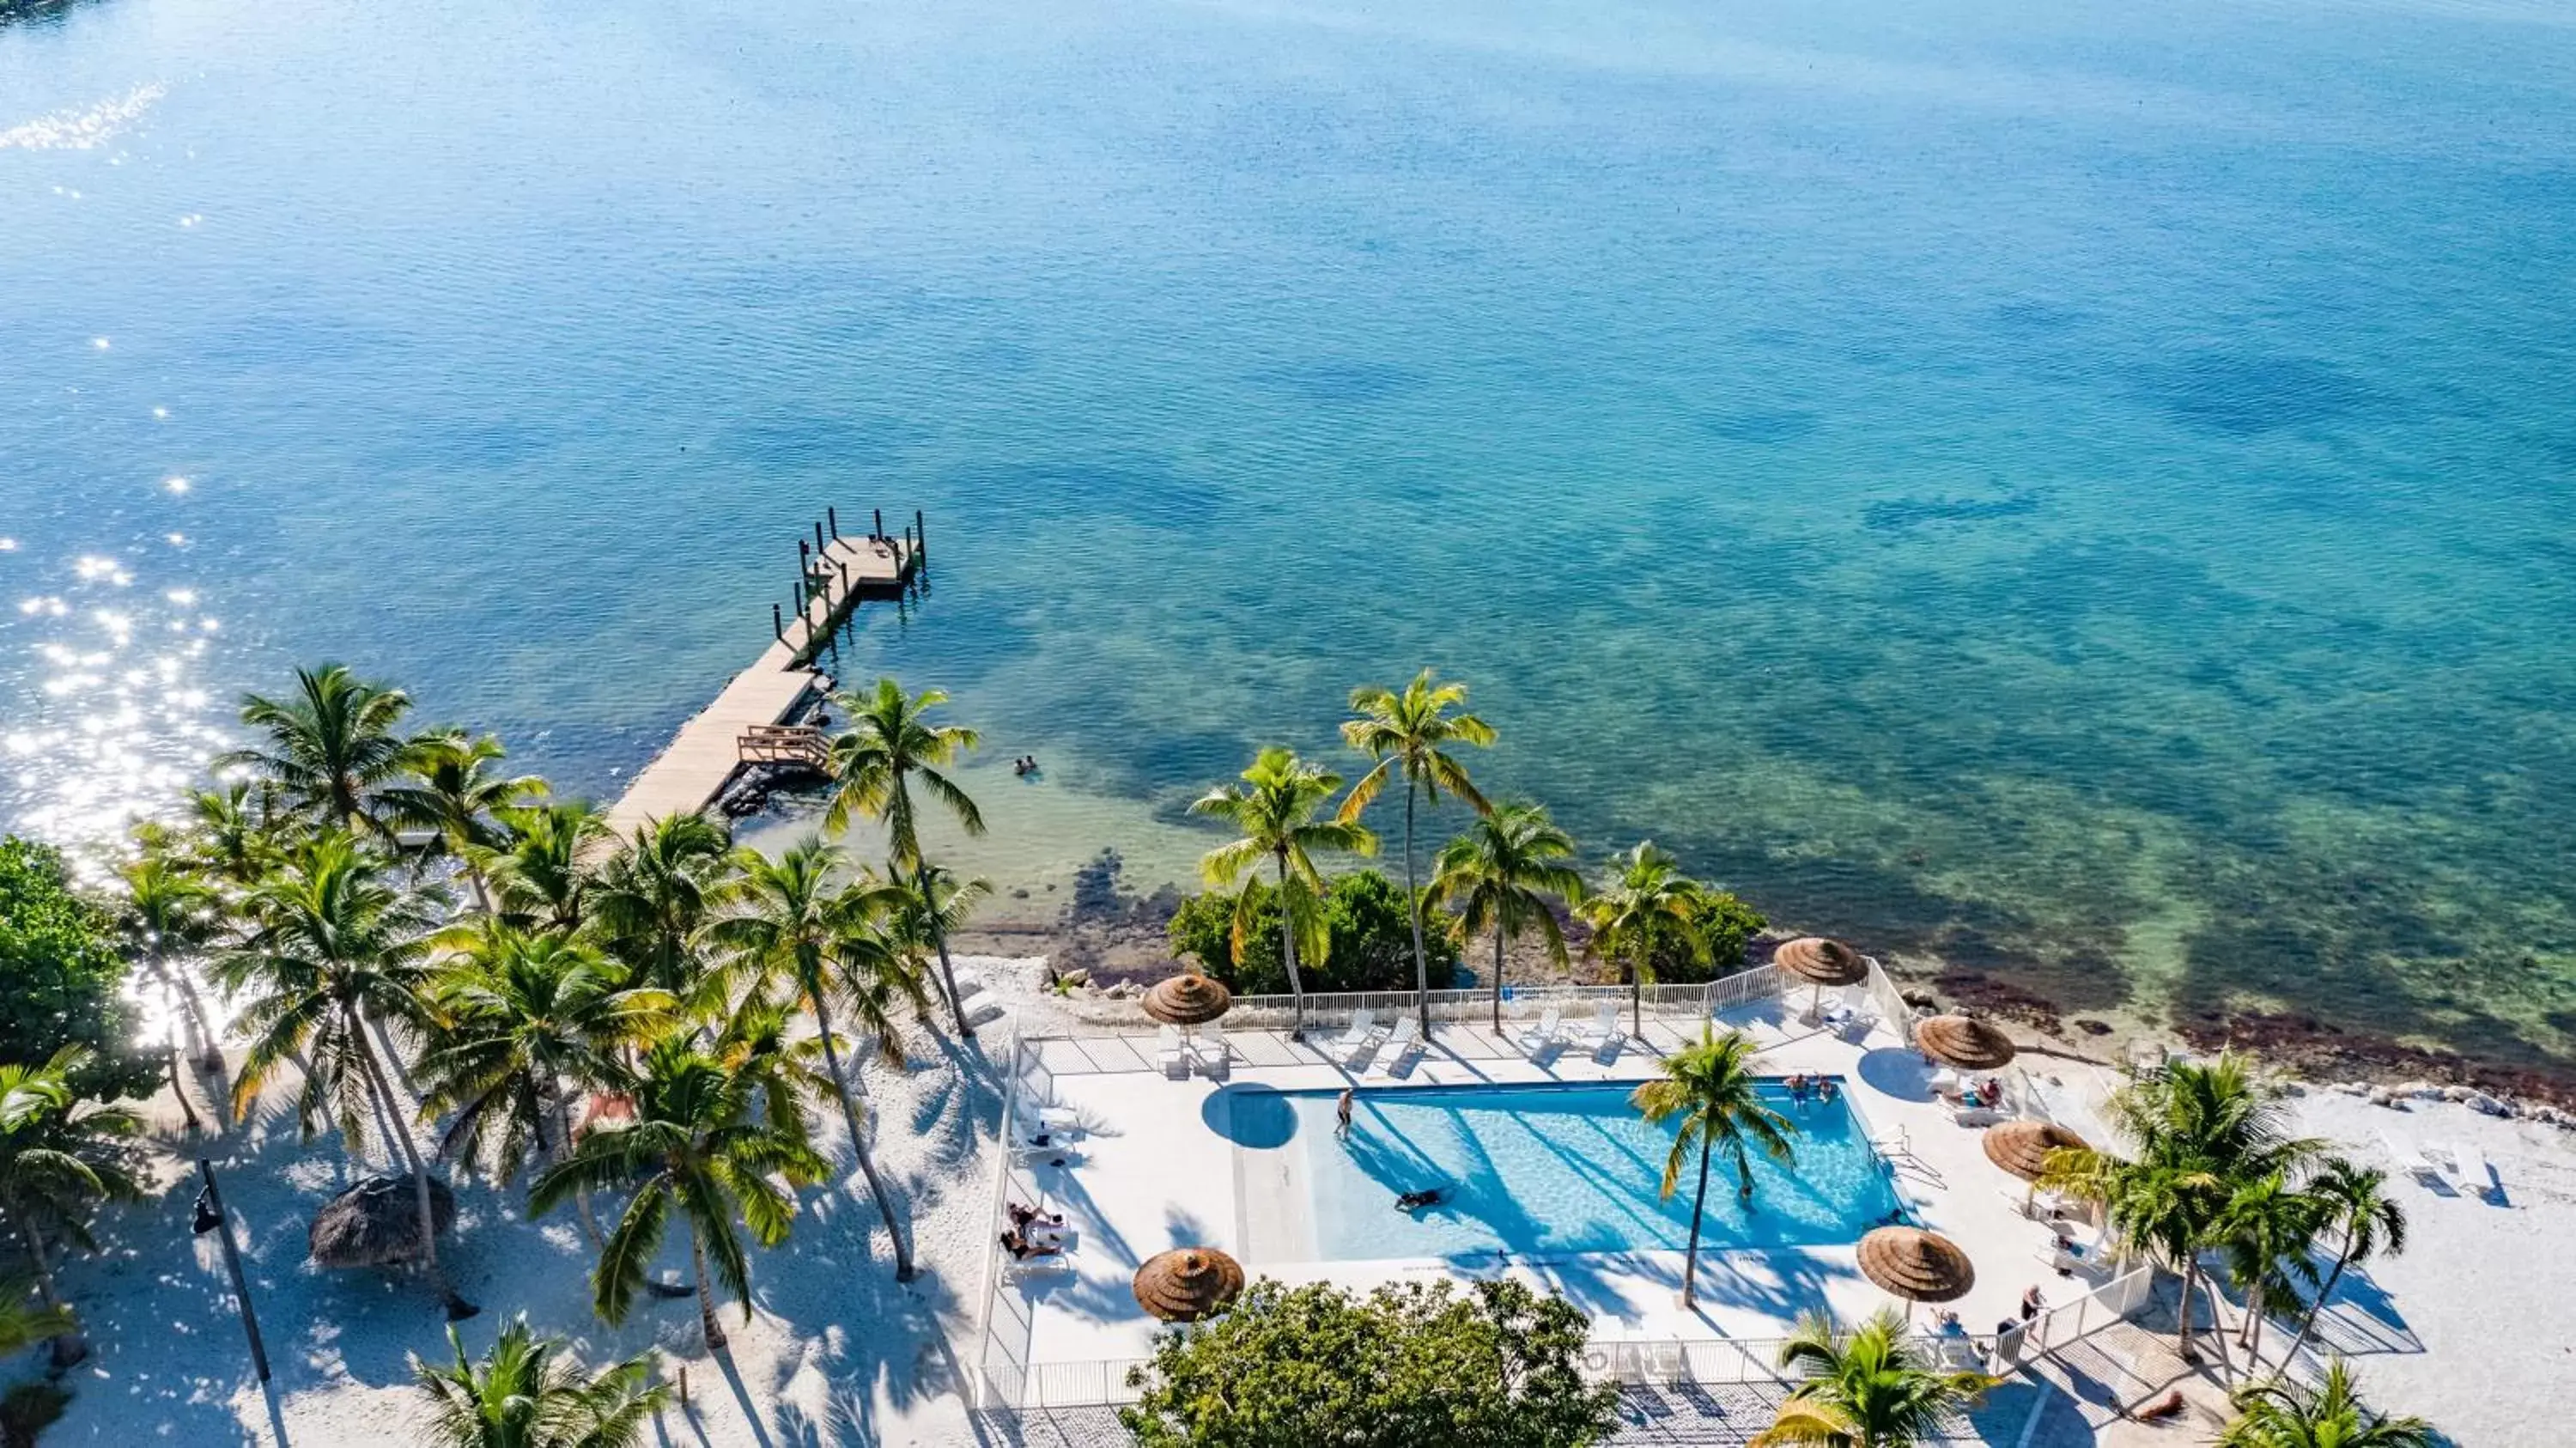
column 2474, row 1328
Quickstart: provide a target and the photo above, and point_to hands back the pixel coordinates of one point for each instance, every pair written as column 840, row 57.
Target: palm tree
column 1869, row 1388
column 334, row 946
column 1648, row 906
column 59, row 1158
column 917, row 917
column 521, row 1022
column 699, row 1146
column 1500, row 875
column 2281, row 1414
column 535, row 871
column 332, row 748
column 236, row 832
column 526, row 1393
column 787, row 919
column 891, row 742
column 1274, row 808
column 167, row 907
column 2200, row 1132
column 1405, row 733
column 1709, row 1088
column 655, row 894
column 458, row 798
column 2357, row 1207
column 24, row 1323
column 2268, row 1230
column 880, row 961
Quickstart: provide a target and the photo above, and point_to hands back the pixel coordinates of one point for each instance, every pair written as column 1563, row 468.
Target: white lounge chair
column 2474, row 1176
column 2416, row 1161
column 1171, row 1052
column 1549, row 1031
column 1215, row 1053
column 1035, row 1120
column 1403, row 1042
column 1363, row 1031
column 1044, row 1264
column 1605, row 1022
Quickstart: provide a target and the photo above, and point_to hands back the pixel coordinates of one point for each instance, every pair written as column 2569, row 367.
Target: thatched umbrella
column 1188, row 1283
column 377, row 1222
column 1186, row 1000
column 2023, row 1147
column 1965, row 1043
column 1821, row 962
column 1916, row 1265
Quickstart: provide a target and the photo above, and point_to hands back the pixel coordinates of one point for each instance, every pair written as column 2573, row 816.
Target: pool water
column 1562, row 1169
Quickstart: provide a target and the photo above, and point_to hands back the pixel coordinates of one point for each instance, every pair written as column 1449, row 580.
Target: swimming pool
column 1560, row 1169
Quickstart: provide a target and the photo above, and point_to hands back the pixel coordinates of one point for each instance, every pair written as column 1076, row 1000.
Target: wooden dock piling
column 743, row 723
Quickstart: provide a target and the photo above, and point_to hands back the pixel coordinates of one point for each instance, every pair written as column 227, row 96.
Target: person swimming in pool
column 1416, row 1201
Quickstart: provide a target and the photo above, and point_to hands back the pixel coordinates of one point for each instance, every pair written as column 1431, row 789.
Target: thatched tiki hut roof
column 1188, row 999
column 1820, row 961
column 1188, row 1283
column 377, row 1222
column 1916, row 1265
column 1965, row 1043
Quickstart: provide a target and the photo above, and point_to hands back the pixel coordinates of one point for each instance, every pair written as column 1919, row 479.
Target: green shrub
column 59, row 973
column 1726, row 925
column 1372, row 943
column 1409, row 1366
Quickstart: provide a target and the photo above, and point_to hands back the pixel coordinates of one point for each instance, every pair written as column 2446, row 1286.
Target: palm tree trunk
column 1636, row 1001
column 1288, row 955
column 707, row 1324
column 71, row 1345
column 2309, row 1326
column 563, row 1152
column 458, row 1309
column 2182, row 1328
column 202, row 1044
column 903, row 1268
column 938, row 942
column 1498, row 975
column 1699, row 1203
column 1413, row 908
column 179, row 1088
column 2254, row 1324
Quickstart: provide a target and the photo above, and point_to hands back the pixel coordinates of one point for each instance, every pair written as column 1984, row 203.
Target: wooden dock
column 749, row 720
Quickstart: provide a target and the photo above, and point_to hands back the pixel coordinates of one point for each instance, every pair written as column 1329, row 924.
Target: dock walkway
column 701, row 759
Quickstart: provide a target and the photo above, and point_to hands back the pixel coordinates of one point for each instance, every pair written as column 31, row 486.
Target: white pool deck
column 1152, row 1171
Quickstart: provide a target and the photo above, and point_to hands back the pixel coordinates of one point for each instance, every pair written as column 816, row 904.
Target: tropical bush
column 1724, row 926
column 1496, row 1366
column 59, row 973
column 1372, row 943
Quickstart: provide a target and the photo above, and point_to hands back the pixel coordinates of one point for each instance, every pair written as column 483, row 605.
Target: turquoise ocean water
column 2083, row 491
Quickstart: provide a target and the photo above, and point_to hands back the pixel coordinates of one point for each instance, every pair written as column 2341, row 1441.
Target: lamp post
column 210, row 1218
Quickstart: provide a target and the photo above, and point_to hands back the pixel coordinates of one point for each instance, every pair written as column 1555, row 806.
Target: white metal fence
column 2116, row 1300
column 1001, row 1363
column 1334, row 1009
